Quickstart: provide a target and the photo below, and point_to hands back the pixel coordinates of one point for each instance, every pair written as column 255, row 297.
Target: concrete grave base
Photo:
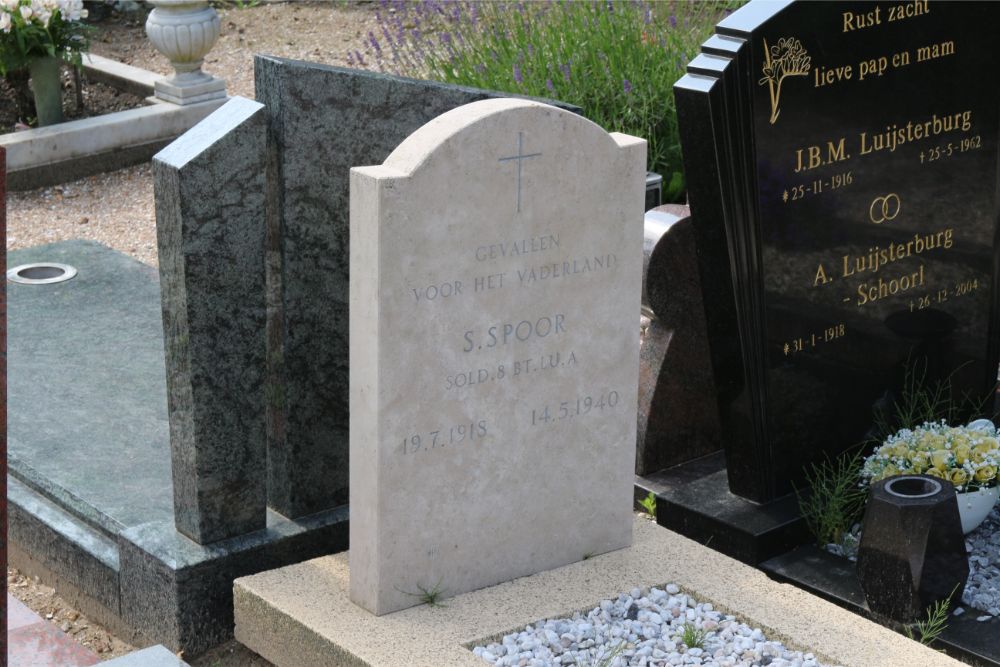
column 300, row 615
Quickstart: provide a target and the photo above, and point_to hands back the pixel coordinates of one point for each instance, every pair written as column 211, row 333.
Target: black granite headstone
column 841, row 161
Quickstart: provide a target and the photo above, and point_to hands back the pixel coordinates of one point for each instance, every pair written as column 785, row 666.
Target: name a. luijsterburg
column 889, row 139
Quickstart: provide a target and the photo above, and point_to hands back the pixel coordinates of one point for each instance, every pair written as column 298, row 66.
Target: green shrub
column 618, row 60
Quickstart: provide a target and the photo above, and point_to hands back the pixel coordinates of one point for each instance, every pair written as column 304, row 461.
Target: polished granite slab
column 90, row 491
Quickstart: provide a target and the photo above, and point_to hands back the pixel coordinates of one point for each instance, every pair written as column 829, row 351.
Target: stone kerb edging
column 74, row 149
column 301, row 615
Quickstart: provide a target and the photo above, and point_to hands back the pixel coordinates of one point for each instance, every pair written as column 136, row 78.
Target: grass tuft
column 607, row 659
column 693, row 637
column 648, row 504
column 833, row 501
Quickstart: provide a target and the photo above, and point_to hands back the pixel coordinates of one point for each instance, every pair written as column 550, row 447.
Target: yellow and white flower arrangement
column 967, row 456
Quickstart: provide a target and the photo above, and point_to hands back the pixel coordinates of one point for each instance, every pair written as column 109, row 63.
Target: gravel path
column 116, row 209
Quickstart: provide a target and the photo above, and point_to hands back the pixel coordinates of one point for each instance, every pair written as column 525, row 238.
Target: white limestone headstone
column 494, row 296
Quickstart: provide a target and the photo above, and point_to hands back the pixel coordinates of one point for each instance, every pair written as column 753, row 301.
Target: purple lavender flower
column 350, row 59
column 549, row 85
column 627, row 85
column 673, row 20
column 374, row 42
column 446, row 38
column 647, row 17
column 360, row 59
column 517, row 74
column 565, row 70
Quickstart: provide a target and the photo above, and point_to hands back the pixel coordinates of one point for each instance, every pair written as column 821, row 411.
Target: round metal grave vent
column 41, row 273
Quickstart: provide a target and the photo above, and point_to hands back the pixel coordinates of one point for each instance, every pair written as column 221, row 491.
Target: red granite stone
column 4, row 625
column 34, row 642
column 18, row 614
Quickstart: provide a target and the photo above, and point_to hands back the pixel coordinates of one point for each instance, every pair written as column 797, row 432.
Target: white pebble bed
column 643, row 628
column 982, row 592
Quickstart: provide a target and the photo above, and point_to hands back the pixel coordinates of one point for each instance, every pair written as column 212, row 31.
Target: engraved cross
column 521, row 155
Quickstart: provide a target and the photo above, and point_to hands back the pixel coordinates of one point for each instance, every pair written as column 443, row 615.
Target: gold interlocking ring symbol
column 884, row 209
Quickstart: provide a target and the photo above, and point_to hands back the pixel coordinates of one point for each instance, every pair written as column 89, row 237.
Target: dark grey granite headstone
column 210, row 188
column 323, row 121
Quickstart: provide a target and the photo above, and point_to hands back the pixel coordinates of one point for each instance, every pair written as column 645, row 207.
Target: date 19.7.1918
column 449, row 435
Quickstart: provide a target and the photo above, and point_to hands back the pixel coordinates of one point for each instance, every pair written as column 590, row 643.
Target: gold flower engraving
column 788, row 58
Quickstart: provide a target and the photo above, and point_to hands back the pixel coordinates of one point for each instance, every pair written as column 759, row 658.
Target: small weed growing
column 921, row 400
column 833, row 500
column 648, row 504
column 936, row 622
column 607, row 659
column 693, row 637
column 429, row 596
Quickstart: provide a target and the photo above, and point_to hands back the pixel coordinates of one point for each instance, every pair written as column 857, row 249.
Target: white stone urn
column 185, row 31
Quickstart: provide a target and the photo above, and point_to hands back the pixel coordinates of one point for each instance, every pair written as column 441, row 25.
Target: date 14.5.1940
column 577, row 407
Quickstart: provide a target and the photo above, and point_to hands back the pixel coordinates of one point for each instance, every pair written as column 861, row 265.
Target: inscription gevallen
column 494, row 292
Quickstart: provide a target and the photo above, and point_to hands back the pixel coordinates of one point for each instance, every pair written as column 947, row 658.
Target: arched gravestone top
column 495, row 281
column 842, row 170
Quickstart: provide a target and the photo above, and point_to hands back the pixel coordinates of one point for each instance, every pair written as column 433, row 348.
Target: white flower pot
column 975, row 506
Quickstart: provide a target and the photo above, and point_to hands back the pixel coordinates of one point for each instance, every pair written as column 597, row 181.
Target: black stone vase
column 912, row 552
